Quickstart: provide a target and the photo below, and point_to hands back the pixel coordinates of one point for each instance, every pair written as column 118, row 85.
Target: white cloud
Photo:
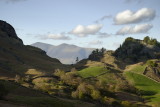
column 95, row 42
column 143, row 28
column 83, row 31
column 128, row 17
column 54, row 36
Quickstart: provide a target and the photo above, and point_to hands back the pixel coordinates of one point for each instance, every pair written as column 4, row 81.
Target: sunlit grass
column 91, row 71
column 149, row 88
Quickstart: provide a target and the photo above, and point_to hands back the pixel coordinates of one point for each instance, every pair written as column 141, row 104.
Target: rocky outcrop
column 152, row 72
column 6, row 30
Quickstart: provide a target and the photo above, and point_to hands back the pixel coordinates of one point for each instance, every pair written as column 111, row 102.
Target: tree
column 77, row 60
column 97, row 54
column 103, row 50
column 146, row 39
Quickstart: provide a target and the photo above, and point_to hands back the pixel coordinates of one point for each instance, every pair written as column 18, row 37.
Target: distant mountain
column 66, row 53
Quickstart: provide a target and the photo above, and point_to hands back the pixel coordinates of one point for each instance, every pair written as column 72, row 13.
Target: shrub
column 126, row 104
column 74, row 94
column 58, row 72
column 95, row 94
column 81, row 95
column 73, row 70
column 19, row 79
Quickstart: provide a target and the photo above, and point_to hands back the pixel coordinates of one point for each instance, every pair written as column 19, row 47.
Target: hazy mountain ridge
column 66, row 53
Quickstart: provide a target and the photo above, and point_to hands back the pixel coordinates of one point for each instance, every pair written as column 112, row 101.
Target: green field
column 91, row 71
column 138, row 69
column 149, row 89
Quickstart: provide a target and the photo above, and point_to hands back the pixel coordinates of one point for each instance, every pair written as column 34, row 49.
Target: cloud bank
column 58, row 37
column 54, row 36
column 129, row 17
column 143, row 28
column 83, row 31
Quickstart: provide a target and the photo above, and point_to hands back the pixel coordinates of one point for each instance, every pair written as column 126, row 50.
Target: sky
column 85, row 23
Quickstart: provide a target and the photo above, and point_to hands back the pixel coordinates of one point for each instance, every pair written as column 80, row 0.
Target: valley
column 126, row 77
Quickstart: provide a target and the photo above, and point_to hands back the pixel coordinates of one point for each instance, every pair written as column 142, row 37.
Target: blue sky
column 85, row 23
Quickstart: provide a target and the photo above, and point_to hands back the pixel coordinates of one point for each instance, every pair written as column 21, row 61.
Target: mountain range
column 66, row 53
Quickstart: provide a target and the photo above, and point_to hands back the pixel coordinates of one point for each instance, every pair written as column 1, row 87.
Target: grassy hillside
column 149, row 89
column 137, row 68
column 92, row 71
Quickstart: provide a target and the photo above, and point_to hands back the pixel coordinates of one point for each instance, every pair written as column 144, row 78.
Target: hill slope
column 17, row 58
column 66, row 53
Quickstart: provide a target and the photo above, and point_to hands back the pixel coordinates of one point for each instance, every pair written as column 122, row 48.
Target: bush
column 19, row 79
column 95, row 94
column 58, row 72
column 81, row 95
column 126, row 103
column 74, row 94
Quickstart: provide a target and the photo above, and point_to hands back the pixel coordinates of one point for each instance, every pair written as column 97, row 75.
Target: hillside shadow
column 141, row 84
column 80, row 65
column 148, row 93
